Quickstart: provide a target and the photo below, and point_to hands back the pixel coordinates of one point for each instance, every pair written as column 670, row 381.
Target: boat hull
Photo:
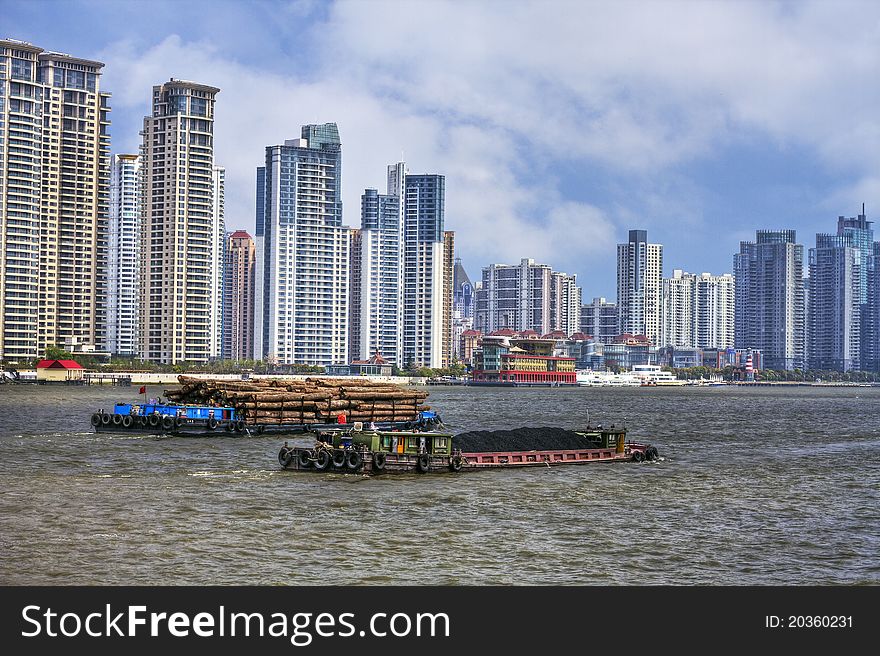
column 302, row 459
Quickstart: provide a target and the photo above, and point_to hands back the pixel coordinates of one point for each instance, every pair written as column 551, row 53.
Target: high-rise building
column 448, row 278
column 377, row 279
column 698, row 310
column 838, row 302
column 639, row 286
column 179, row 305
column 238, row 296
column 871, row 317
column 565, row 303
column 424, row 270
column 527, row 296
column 769, row 298
column 54, row 180
column 123, row 256
column 599, row 320
column 303, row 252
column 462, row 308
column 218, row 260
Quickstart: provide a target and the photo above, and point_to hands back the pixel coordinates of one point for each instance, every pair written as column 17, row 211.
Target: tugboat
column 375, row 451
column 159, row 418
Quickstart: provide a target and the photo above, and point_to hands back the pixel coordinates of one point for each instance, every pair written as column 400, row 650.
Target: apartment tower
column 179, row 305
column 123, row 268
column 54, row 189
column 639, row 286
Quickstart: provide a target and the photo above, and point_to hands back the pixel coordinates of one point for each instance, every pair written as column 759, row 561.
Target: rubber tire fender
column 127, row 421
column 423, row 463
column 322, row 460
column 96, row 419
column 282, row 456
column 304, row 458
column 353, row 460
column 339, row 459
column 239, row 426
column 638, row 456
column 378, row 462
column 455, row 464
column 105, row 418
column 116, row 419
column 167, row 422
column 153, row 420
column 212, row 423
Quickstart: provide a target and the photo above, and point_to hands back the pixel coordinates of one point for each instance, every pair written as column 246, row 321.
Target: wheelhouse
column 403, row 442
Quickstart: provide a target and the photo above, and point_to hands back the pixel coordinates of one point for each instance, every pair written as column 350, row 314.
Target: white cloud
column 496, row 95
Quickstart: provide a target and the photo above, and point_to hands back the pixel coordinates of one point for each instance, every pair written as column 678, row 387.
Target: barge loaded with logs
column 375, row 451
column 211, row 406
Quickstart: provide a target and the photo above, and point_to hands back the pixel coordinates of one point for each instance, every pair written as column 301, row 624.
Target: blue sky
column 559, row 125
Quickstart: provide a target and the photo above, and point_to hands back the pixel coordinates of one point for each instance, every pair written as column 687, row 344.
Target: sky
column 559, row 125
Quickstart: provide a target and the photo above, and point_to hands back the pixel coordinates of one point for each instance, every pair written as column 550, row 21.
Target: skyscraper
column 238, row 296
column 769, row 313
column 401, row 300
column 123, row 269
column 304, row 257
column 871, row 317
column 838, row 304
column 179, row 306
column 424, row 270
column 218, row 260
column 639, row 286
column 54, row 179
column 377, row 279
column 525, row 297
column 698, row 310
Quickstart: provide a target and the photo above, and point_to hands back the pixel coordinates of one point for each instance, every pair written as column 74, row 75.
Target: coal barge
column 373, row 451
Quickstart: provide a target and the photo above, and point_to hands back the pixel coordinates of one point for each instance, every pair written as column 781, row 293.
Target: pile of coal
column 521, row 439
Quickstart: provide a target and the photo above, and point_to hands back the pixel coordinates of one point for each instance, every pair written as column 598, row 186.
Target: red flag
column 143, row 390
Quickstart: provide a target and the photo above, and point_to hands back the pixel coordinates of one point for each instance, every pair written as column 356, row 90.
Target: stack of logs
column 312, row 400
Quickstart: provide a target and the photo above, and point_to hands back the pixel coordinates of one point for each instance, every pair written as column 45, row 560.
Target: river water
column 757, row 486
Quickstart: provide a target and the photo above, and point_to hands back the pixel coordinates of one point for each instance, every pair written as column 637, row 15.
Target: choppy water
column 758, row 486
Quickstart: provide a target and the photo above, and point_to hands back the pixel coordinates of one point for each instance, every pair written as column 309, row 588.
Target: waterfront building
column 627, row 351
column 599, row 319
column 238, row 296
column 303, row 252
column 639, row 286
column 54, row 188
column 448, row 278
column 698, row 310
column 717, row 358
column 218, row 261
column 402, row 272
column 524, row 296
column 469, row 343
column 178, row 305
column 508, row 360
column 425, row 269
column 123, row 255
column 769, row 298
column 838, row 301
column 871, row 322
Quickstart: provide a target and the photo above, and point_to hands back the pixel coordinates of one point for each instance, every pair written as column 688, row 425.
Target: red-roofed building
column 59, row 370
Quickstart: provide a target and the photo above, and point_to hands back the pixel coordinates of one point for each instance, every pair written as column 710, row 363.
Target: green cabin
column 408, row 442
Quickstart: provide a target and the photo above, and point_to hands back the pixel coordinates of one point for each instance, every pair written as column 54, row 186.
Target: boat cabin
column 606, row 438
column 185, row 411
column 408, row 442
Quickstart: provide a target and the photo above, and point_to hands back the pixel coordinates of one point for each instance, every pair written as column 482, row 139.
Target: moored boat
column 378, row 451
